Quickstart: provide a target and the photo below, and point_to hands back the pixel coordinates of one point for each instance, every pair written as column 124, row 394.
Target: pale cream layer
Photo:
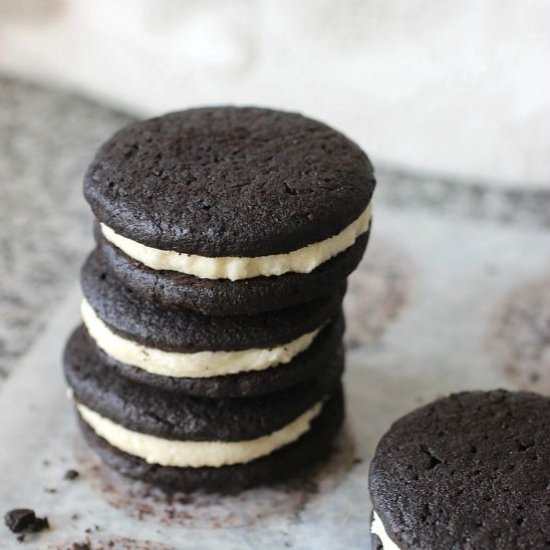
column 302, row 260
column 377, row 527
column 201, row 364
column 195, row 454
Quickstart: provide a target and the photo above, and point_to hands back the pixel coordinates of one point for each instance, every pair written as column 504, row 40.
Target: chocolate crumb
column 81, row 546
column 71, row 474
column 20, row 538
column 357, row 460
column 24, row 519
column 74, row 517
column 51, row 490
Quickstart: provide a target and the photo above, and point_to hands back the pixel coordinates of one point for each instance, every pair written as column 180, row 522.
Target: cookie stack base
column 281, row 465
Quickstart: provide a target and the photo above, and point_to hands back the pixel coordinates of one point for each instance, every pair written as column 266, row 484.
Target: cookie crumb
column 71, row 474
column 19, row 520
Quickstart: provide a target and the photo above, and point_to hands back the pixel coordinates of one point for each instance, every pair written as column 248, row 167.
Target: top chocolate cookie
column 228, row 181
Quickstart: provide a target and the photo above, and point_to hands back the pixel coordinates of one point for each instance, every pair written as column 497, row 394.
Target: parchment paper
column 441, row 303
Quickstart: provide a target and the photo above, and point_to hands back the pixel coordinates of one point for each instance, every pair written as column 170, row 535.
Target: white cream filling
column 201, row 364
column 377, row 527
column 302, row 260
column 195, row 454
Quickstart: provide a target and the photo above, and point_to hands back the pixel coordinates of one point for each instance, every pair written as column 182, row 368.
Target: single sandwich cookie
column 218, row 466
column 324, row 357
column 144, row 333
column 470, row 471
column 231, row 193
column 223, row 296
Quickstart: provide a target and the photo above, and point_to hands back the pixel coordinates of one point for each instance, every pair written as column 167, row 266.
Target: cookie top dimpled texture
column 471, row 471
column 229, row 181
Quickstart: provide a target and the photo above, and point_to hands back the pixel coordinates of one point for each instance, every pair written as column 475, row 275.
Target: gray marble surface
column 47, row 138
column 440, row 304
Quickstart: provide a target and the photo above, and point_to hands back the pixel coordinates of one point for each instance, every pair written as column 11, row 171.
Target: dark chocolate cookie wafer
column 470, row 471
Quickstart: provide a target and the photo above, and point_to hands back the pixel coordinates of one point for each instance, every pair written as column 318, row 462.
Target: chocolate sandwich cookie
column 470, row 471
column 111, row 306
column 229, row 181
column 205, row 197
column 323, row 357
column 276, row 464
column 226, row 297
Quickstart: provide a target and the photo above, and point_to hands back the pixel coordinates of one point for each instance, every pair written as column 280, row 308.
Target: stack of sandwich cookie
column 210, row 354
column 470, row 471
